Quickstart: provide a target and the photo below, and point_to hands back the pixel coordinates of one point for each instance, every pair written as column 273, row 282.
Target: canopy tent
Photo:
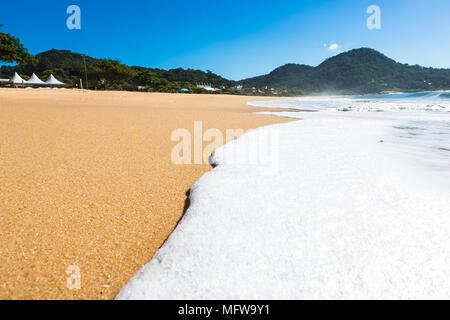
column 53, row 81
column 16, row 79
column 34, row 80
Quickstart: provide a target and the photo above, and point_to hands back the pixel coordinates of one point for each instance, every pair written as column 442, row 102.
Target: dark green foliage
column 110, row 74
column 11, row 50
column 355, row 72
column 288, row 76
column 176, row 79
column 189, row 75
column 66, row 66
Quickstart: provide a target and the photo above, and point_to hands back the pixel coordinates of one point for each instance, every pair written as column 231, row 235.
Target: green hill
column 69, row 67
column 290, row 75
column 355, row 72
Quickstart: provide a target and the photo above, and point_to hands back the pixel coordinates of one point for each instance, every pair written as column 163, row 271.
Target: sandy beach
column 86, row 179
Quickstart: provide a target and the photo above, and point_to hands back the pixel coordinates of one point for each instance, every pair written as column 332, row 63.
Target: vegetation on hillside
column 11, row 50
column 357, row 71
column 69, row 67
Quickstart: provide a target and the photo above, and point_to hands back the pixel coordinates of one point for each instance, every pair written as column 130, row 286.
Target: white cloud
column 333, row 47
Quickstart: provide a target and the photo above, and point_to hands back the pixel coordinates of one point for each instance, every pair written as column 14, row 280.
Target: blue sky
column 236, row 39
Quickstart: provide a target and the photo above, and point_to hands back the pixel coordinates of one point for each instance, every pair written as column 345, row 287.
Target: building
column 206, row 86
column 236, row 88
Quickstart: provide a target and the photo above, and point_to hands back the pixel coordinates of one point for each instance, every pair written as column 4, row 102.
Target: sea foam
column 347, row 214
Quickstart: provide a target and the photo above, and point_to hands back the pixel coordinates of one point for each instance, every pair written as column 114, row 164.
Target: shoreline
column 89, row 182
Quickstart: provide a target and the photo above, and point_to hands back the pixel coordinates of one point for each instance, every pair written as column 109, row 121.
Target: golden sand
column 86, row 179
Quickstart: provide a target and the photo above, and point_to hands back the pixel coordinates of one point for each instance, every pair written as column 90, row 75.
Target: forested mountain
column 355, row 72
column 290, row 75
column 104, row 73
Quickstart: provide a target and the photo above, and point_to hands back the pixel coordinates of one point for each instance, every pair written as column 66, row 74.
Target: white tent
column 34, row 80
column 53, row 81
column 16, row 79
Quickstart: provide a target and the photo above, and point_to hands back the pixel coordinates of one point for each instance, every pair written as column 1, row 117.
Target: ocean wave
column 421, row 122
column 414, row 95
column 344, row 217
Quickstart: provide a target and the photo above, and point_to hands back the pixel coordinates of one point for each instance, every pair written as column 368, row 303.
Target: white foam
column 343, row 216
column 420, row 126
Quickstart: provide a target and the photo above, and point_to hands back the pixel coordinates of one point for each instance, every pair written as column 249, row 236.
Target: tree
column 110, row 72
column 11, row 50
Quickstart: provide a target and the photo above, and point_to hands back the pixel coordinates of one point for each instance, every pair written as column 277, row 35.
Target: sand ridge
column 86, row 179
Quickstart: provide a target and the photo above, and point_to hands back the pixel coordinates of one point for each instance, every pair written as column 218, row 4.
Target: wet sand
column 86, row 180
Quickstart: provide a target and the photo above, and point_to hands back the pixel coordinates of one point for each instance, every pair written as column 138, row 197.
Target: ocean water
column 418, row 123
column 352, row 208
